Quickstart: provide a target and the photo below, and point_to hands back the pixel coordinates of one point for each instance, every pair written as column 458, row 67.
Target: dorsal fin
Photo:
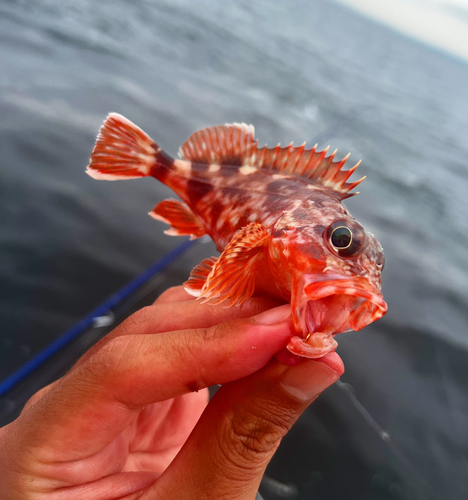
column 222, row 145
column 308, row 163
column 234, row 145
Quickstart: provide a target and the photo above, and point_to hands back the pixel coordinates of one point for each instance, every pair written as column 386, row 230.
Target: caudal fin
column 122, row 151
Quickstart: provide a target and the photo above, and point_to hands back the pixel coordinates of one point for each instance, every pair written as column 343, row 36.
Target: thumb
column 237, row 435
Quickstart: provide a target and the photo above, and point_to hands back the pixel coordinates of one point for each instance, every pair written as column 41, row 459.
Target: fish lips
column 339, row 303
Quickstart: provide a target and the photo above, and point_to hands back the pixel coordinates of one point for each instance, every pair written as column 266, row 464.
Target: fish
column 276, row 216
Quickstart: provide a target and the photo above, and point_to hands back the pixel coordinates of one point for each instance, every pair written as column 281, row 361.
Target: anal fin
column 178, row 215
column 232, row 277
column 199, row 275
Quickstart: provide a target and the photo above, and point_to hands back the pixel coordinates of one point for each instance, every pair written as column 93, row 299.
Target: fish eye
column 341, row 237
column 346, row 238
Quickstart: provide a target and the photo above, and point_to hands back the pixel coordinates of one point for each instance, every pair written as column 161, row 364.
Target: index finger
column 172, row 316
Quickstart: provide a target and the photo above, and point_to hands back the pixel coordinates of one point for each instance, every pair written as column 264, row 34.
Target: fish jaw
column 325, row 305
column 314, row 346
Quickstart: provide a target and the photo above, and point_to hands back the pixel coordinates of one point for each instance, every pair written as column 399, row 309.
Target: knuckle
column 219, row 331
column 136, row 321
column 94, row 371
column 106, row 360
column 210, row 334
column 256, row 431
column 182, row 348
column 39, row 395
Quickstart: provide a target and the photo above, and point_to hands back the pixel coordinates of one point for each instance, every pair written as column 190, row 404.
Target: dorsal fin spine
column 203, row 140
column 345, row 159
column 215, row 141
column 299, row 150
column 200, row 145
column 229, row 138
column 247, row 142
column 323, row 157
column 309, row 159
column 245, row 138
column 251, row 156
column 211, row 144
column 352, row 185
column 314, row 174
column 261, row 156
column 196, row 147
column 272, row 159
column 275, row 156
column 192, row 148
column 236, row 139
column 242, row 142
column 348, row 173
column 322, row 167
column 207, row 143
column 334, row 171
column 312, row 163
column 222, row 135
column 285, row 157
column 330, row 166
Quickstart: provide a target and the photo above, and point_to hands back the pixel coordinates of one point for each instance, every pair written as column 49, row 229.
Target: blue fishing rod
column 97, row 317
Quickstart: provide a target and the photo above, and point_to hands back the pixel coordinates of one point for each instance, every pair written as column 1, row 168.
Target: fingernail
column 308, row 379
column 273, row 316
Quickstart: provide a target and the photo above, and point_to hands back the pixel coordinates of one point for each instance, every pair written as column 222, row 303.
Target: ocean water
column 299, row 71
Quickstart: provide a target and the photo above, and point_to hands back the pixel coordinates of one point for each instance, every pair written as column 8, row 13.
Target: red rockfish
column 276, row 215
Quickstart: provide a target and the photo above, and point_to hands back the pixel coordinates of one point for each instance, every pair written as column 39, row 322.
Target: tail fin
column 122, row 151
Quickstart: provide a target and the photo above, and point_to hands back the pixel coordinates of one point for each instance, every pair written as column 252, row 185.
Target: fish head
column 334, row 266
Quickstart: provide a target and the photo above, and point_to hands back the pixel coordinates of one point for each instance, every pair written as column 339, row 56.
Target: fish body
column 275, row 214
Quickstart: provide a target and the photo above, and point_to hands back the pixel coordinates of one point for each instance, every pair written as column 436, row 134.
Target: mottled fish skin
column 228, row 202
column 271, row 212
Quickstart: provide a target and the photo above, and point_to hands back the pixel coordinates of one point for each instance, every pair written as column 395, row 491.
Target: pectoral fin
column 178, row 215
column 232, row 277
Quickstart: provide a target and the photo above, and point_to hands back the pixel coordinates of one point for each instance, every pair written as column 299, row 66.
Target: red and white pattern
column 267, row 210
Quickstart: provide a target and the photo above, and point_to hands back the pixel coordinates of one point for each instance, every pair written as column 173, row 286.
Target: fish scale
column 273, row 213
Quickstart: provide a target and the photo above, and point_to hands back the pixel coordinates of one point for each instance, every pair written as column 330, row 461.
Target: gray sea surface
column 299, row 71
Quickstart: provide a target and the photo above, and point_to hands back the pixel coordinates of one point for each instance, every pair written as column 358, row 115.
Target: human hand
column 111, row 427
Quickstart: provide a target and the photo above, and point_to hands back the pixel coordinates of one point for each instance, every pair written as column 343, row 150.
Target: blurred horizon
column 441, row 24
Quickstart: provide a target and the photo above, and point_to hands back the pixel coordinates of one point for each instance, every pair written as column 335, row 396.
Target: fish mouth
column 335, row 304
column 344, row 303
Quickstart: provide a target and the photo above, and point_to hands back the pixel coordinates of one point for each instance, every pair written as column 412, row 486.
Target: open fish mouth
column 335, row 304
column 345, row 303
